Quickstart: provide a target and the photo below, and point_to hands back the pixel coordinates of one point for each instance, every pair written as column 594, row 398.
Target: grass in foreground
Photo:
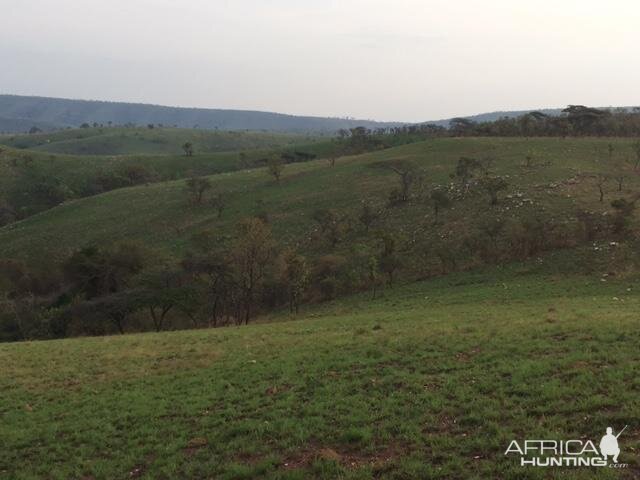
column 431, row 381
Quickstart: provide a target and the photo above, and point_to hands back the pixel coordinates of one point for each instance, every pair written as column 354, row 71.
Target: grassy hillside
column 431, row 381
column 155, row 141
column 562, row 179
column 32, row 181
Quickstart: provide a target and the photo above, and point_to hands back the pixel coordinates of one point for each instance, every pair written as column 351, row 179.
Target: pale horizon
column 463, row 115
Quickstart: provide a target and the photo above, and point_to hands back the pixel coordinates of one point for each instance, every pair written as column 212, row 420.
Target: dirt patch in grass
column 347, row 458
column 194, row 445
column 467, row 356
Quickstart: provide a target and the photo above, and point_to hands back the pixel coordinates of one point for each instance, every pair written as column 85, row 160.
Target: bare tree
column 464, row 171
column 389, row 260
column 368, row 215
column 294, row 275
column 439, row 200
column 493, row 186
column 528, row 160
column 275, row 168
column 252, row 253
column 219, row 202
column 601, row 180
column 196, row 187
column 373, row 267
column 409, row 174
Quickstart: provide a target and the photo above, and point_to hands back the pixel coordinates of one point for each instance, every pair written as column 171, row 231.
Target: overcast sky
column 406, row 60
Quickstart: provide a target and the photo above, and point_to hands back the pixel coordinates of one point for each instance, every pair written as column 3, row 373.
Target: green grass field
column 156, row 141
column 26, row 174
column 431, row 381
column 561, row 181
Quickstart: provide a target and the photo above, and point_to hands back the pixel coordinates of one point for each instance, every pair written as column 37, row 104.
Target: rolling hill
column 35, row 177
column 63, row 113
column 429, row 379
column 148, row 141
column 562, row 181
column 432, row 381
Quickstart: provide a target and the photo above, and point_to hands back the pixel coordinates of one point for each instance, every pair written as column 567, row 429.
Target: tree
column 93, row 271
column 102, row 278
column 464, row 171
column 163, row 289
column 485, row 165
column 601, row 180
column 461, row 126
column 368, row 216
column 439, row 200
column 251, row 254
column 584, row 119
column 332, row 225
column 275, row 167
column 187, row 147
column 295, row 277
column 212, row 272
column 636, row 150
column 373, row 267
column 196, row 187
column 624, row 211
column 114, row 307
column 219, row 202
column 528, row 160
column 493, row 186
column 328, row 273
column 23, row 301
column 388, row 260
column 492, row 228
column 137, row 174
column 408, row 173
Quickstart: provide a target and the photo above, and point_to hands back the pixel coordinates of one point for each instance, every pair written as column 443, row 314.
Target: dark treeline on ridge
column 573, row 121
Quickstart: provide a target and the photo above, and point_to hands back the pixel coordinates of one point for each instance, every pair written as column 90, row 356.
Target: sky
column 402, row 60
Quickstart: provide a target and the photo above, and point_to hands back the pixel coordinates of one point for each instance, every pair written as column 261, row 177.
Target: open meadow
column 432, row 380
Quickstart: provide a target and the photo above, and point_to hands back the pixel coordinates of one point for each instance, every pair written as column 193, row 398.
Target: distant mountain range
column 19, row 114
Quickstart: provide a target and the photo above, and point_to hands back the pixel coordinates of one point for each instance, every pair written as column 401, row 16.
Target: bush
column 138, row 174
column 326, row 274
